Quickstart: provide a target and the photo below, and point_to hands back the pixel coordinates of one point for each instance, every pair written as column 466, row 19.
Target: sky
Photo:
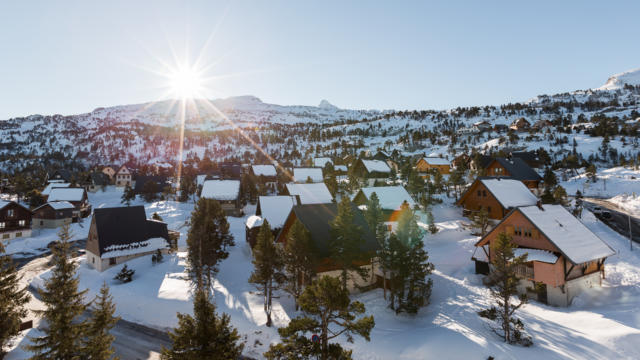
column 69, row 57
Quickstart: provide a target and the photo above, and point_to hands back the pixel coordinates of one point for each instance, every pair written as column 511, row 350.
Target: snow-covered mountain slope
column 617, row 81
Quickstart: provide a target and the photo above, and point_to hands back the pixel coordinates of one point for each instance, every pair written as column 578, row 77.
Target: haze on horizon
column 69, row 57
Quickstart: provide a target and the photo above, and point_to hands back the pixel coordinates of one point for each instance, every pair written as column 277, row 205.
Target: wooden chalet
column 514, row 168
column 96, row 180
column 564, row 258
column 226, row 192
column 76, row 196
column 53, row 215
column 316, row 219
column 273, row 209
column 426, row 164
column 265, row 173
column 15, row 220
column 496, row 195
column 371, row 171
column 392, row 199
column 520, row 124
column 119, row 234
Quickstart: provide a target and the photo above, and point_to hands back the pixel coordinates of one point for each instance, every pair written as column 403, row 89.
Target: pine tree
column 267, row 275
column 345, row 243
column 328, row 312
column 503, row 283
column 12, row 300
column 64, row 304
column 433, row 228
column 128, row 195
column 98, row 340
column 591, row 173
column 205, row 335
column 560, row 195
column 407, row 261
column 125, row 275
column 374, row 216
column 481, row 221
column 299, row 260
column 208, row 240
column 157, row 217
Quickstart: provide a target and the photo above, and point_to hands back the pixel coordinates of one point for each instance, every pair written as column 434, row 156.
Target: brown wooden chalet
column 53, row 214
column 119, row 234
column 514, row 168
column 76, row 196
column 226, row 192
column 564, row 258
column 520, row 124
column 371, row 170
column 496, row 195
column 316, row 219
column 15, row 220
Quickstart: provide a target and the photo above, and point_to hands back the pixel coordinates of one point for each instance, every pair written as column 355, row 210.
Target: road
column 619, row 220
column 132, row 341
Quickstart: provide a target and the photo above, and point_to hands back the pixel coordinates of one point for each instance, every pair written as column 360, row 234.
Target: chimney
column 539, row 205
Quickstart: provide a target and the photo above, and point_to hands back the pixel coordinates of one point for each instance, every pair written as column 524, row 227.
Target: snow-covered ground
column 610, row 183
column 601, row 324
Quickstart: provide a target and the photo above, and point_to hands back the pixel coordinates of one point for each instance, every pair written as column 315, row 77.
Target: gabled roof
column 436, row 161
column 56, row 205
column 518, row 169
column 63, row 174
column 317, row 193
column 509, row 192
column 66, row 194
column 275, row 209
column 376, row 166
column 568, row 234
column 316, row 218
column 390, row 197
column 264, row 170
column 301, row 175
column 5, row 203
column 221, row 189
column 47, row 190
column 160, row 181
column 126, row 229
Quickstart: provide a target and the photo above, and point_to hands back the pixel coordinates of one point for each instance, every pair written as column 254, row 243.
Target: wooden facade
column 423, row 166
column 478, row 197
column 15, row 221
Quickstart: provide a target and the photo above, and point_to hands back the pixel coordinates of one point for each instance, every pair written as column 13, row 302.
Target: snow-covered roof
column 200, row 179
column 254, row 221
column 51, row 185
column 264, row 170
column 4, row 203
column 376, row 165
column 509, row 192
column 148, row 245
column 275, row 209
column 390, row 197
column 60, row 205
column 567, row 233
column 311, row 193
column 321, row 161
column 66, row 194
column 536, row 255
column 340, row 167
column 301, row 175
column 221, row 189
column 436, row 161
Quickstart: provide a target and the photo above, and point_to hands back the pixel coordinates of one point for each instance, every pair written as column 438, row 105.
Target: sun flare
column 186, row 82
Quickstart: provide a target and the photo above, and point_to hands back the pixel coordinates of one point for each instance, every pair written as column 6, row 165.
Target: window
column 18, row 234
column 484, row 193
column 2, row 225
column 6, row 236
column 489, row 209
column 112, row 261
column 22, row 223
column 93, row 259
column 10, row 213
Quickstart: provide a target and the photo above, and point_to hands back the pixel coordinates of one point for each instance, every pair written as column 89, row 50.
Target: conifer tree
column 205, row 335
column 433, row 228
column 328, row 312
column 503, row 283
column 299, row 260
column 64, row 304
column 267, row 275
column 128, row 195
column 98, row 340
column 375, row 219
column 346, row 241
column 481, row 221
column 208, row 240
column 560, row 195
column 13, row 298
column 156, row 217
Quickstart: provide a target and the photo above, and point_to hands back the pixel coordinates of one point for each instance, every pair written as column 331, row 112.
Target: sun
column 186, row 82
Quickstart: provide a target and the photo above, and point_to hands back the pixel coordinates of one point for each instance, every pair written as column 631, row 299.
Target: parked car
column 596, row 210
column 606, row 214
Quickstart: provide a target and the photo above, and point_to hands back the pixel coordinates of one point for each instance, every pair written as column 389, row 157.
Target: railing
column 523, row 271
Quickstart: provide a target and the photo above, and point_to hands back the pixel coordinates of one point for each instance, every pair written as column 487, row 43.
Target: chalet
column 391, row 198
column 96, row 180
column 520, row 124
column 267, row 173
column 564, row 257
column 461, row 161
column 481, row 126
column 371, row 170
column 274, row 209
column 496, row 195
column 119, row 234
column 317, row 193
column 226, row 192
column 541, row 125
column 76, row 196
column 380, row 155
column 340, row 171
column 62, row 175
column 321, row 162
column 426, row 164
column 53, row 215
column 514, row 168
column 15, row 220
column 211, row 175
column 47, row 189
column 316, row 219
column 307, row 175
column 531, row 158
column 110, row 171
column 124, row 177
column 155, row 183
column 230, row 170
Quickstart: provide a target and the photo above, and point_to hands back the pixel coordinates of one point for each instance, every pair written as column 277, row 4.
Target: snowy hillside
column 618, row 81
